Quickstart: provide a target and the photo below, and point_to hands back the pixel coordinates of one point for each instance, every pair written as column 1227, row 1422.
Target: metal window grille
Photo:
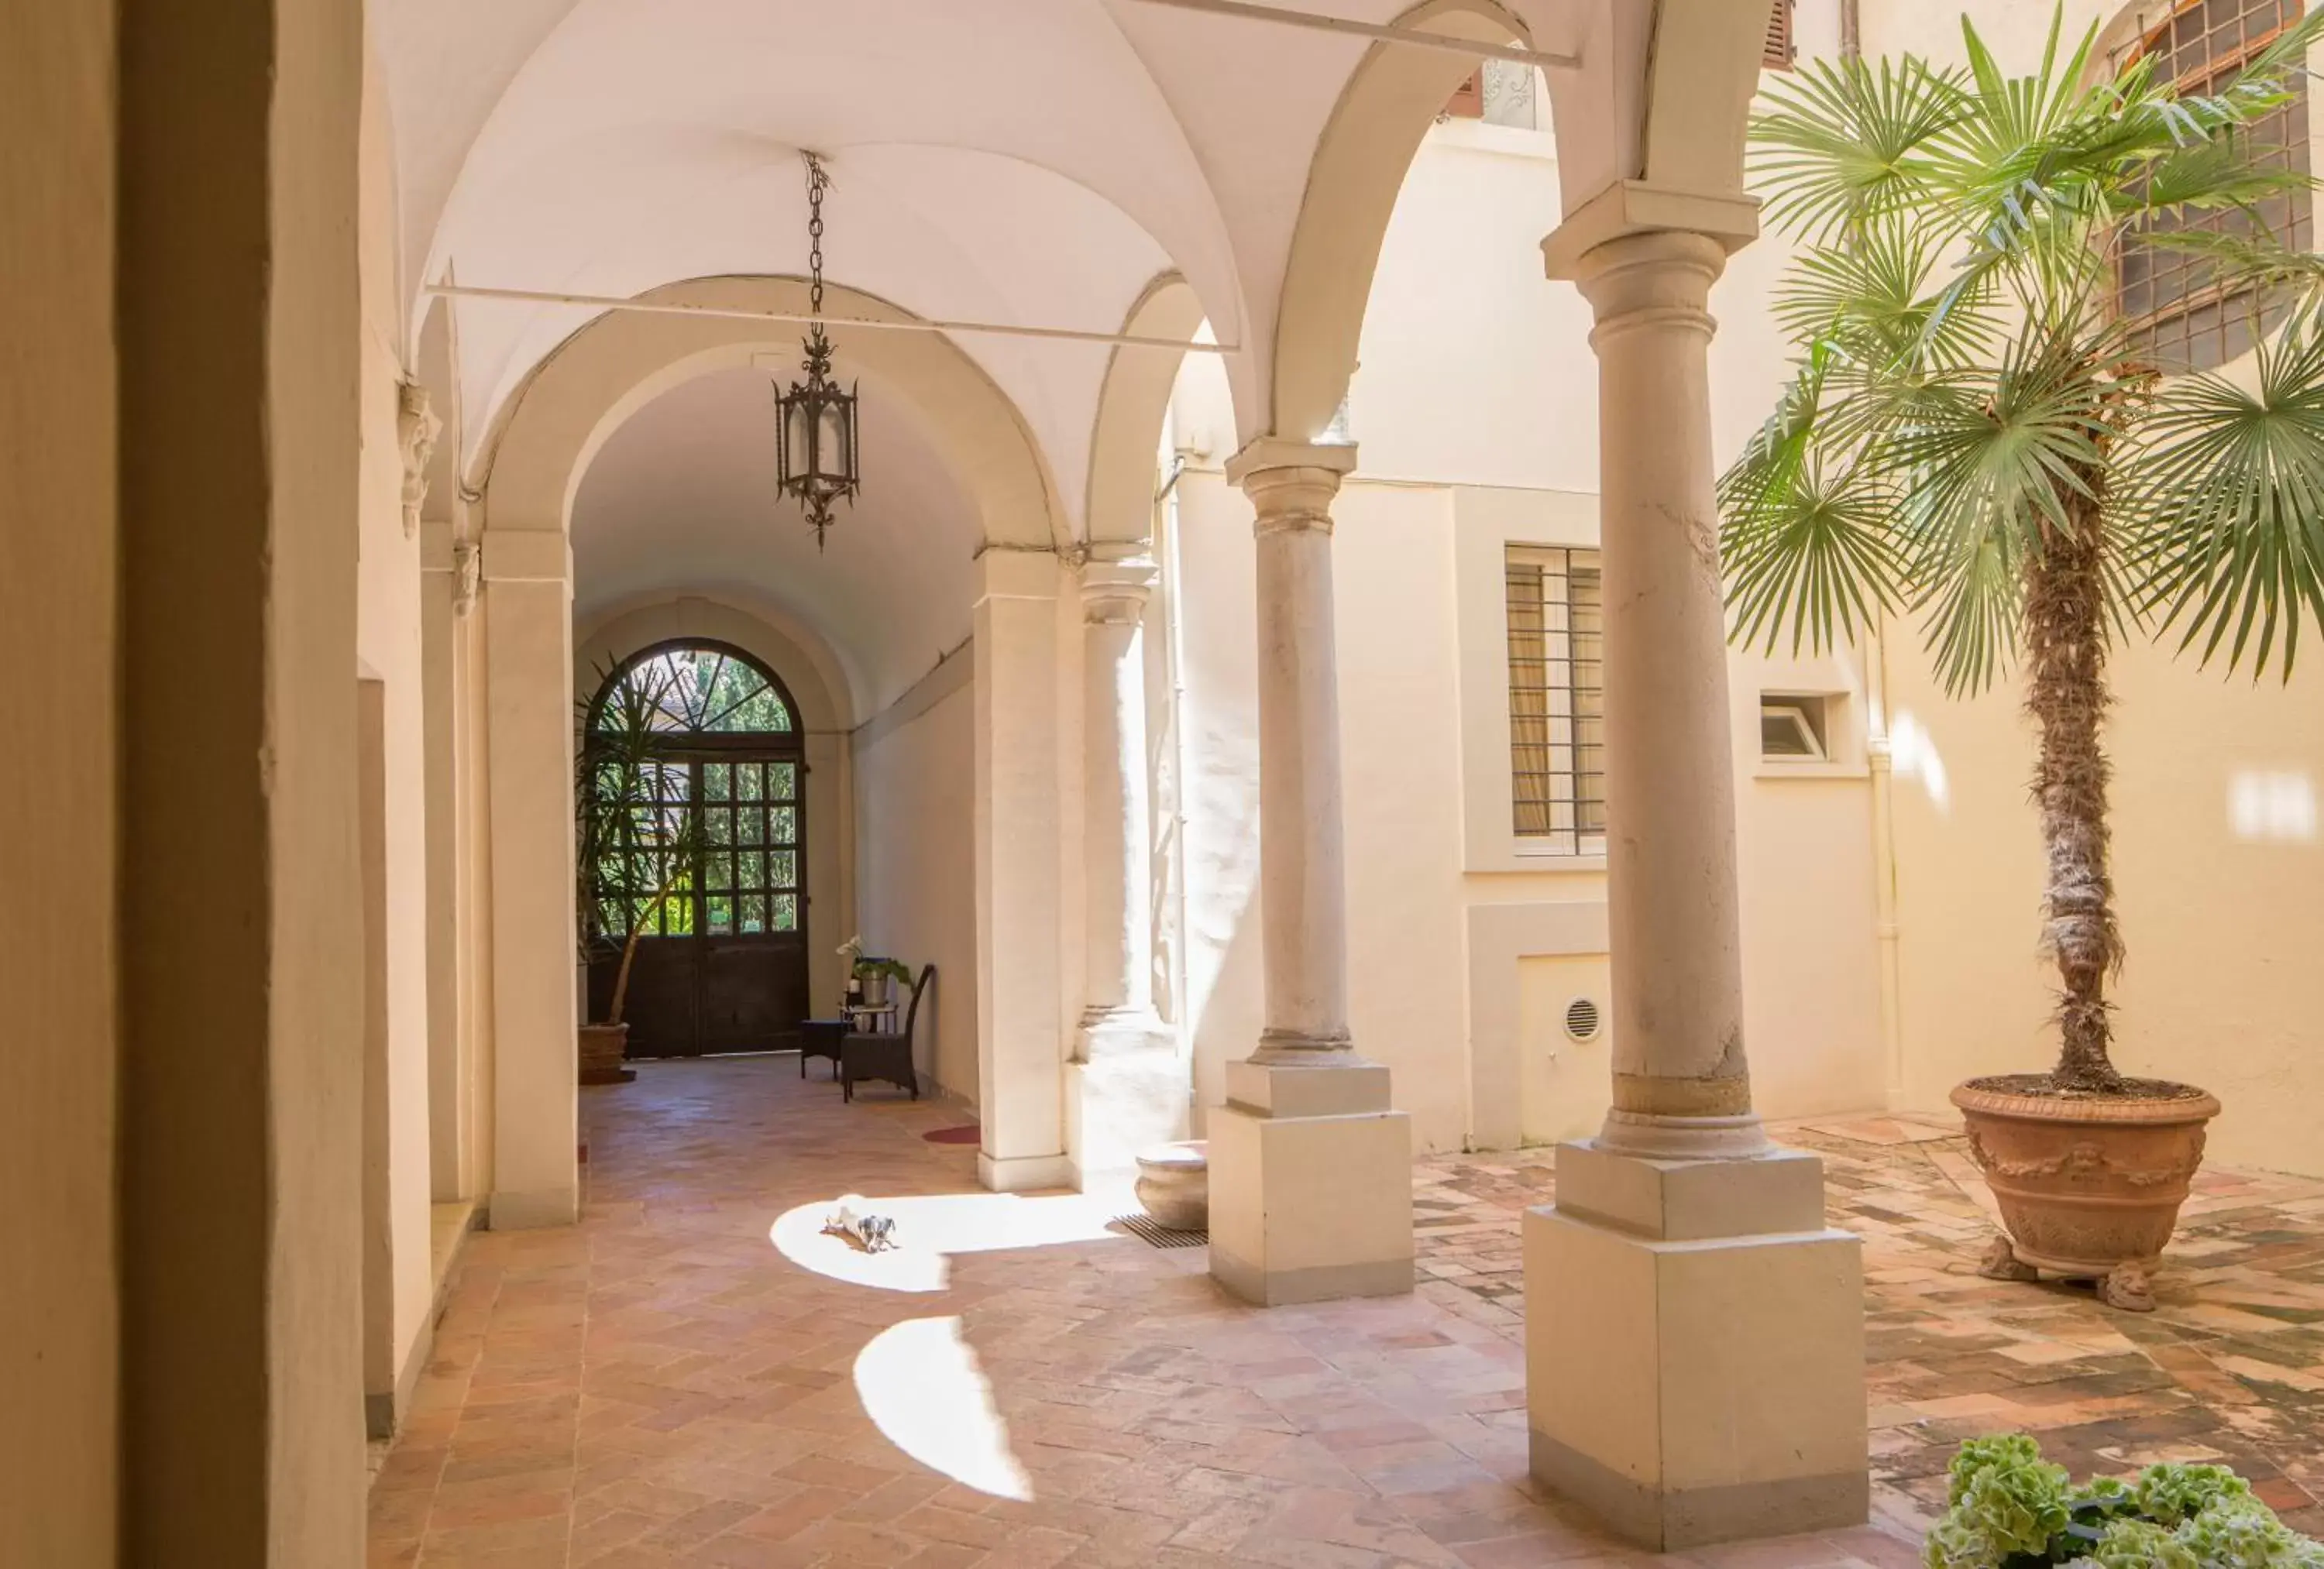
column 2180, row 315
column 1557, row 698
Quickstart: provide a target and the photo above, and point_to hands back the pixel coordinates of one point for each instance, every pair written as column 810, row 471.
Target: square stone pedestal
column 1311, row 1184
column 1694, row 1348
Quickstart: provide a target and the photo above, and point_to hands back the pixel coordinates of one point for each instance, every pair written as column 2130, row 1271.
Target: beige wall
column 61, row 634
column 915, row 857
column 387, row 651
column 240, row 377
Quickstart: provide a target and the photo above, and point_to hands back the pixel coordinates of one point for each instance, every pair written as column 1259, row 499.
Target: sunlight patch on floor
column 932, row 1227
column 921, row 1385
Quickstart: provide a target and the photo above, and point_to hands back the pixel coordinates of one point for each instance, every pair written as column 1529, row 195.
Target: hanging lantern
column 817, row 442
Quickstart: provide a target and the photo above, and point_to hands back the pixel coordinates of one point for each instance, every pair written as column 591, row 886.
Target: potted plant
column 870, row 978
column 638, row 841
column 1974, row 432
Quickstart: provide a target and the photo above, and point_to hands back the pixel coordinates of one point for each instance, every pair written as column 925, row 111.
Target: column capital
column 1632, row 207
column 1114, row 592
column 1266, row 456
column 1291, row 484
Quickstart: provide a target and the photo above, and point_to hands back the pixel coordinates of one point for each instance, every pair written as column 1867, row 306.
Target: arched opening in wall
column 693, row 873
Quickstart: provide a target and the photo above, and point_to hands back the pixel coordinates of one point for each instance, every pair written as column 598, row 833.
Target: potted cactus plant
column 1976, row 434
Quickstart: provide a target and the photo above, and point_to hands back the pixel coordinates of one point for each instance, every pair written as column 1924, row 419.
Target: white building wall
column 914, row 856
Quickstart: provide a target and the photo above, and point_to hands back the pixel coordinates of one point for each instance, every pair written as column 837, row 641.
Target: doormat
column 1159, row 1235
column 970, row 1135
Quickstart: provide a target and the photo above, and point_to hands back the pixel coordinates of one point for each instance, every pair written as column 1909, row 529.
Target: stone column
column 1126, row 1086
column 528, row 610
column 1310, row 1170
column 1694, row 1334
column 1020, row 1049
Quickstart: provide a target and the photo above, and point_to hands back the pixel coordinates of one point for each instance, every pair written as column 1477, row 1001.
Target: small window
column 1557, row 698
column 1779, row 52
column 1792, row 729
column 1468, row 99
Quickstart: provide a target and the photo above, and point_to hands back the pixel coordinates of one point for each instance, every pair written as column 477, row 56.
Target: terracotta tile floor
column 663, row 1386
column 2229, row 1367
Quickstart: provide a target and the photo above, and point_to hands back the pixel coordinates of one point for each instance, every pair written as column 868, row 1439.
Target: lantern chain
column 817, row 182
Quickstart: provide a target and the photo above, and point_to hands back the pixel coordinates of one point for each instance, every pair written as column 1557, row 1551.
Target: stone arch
column 542, row 438
column 1132, row 405
column 1360, row 161
column 1661, row 98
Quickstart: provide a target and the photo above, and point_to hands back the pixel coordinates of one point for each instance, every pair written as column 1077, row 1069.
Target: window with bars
column 2179, row 315
column 1557, row 698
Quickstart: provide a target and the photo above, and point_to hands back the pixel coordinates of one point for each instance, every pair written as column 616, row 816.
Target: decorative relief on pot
column 2085, row 1161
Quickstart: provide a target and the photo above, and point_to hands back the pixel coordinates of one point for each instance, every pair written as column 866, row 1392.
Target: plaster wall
column 60, row 618
column 241, row 983
column 915, row 857
column 388, row 651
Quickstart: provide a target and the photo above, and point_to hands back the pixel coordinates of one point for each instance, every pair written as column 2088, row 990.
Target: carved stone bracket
column 467, row 575
column 416, row 429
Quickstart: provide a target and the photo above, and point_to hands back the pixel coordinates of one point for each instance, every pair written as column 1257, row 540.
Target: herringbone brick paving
column 660, row 1386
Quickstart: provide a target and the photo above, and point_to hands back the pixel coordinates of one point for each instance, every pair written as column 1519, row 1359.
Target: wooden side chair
column 879, row 1054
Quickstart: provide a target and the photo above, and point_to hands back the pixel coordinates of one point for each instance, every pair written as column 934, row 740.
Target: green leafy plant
column 894, row 969
column 1974, row 436
column 637, row 837
column 2009, row 1509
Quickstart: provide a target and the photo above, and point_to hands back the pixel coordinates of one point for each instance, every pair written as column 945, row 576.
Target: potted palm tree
column 1974, row 435
column 637, row 843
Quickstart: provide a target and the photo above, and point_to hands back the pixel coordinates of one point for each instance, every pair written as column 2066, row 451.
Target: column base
column 1311, row 1183
column 1023, row 1173
column 1694, row 1348
column 506, row 1211
column 1128, row 1091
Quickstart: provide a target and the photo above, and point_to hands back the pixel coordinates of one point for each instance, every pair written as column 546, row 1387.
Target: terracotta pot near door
column 603, row 1049
column 2090, row 1187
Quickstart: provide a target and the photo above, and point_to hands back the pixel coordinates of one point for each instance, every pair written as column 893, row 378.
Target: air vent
column 1581, row 1019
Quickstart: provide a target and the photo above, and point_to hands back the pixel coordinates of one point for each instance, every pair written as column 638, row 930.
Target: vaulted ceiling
column 1034, row 162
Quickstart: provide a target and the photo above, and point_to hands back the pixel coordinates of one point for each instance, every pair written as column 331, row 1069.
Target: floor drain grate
column 1159, row 1235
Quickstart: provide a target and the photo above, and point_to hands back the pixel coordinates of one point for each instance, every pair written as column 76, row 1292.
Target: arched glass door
column 694, row 834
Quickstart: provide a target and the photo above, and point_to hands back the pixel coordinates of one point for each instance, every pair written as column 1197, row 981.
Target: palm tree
column 1975, row 435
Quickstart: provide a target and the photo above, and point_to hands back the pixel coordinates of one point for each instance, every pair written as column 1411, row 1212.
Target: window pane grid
column 744, row 872
column 2178, row 314
column 1558, row 744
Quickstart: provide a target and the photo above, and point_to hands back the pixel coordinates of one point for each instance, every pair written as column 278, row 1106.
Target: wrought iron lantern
column 816, row 449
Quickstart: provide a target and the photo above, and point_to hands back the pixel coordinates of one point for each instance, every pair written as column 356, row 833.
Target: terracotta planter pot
column 603, row 1048
column 2088, row 1187
column 1174, row 1184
